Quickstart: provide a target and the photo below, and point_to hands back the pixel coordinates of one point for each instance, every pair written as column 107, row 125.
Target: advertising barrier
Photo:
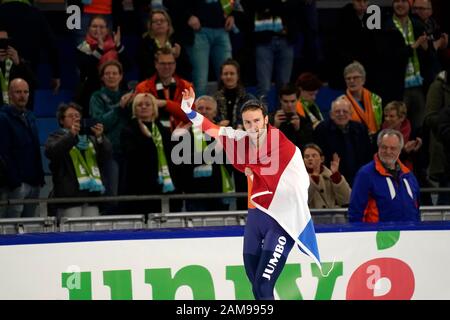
column 366, row 262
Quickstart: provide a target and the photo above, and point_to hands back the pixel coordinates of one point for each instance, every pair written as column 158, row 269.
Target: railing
column 176, row 219
column 165, row 199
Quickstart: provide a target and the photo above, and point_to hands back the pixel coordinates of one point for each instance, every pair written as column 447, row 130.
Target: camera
column 86, row 125
column 4, row 43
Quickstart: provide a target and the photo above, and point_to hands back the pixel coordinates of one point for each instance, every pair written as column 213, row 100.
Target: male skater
column 278, row 214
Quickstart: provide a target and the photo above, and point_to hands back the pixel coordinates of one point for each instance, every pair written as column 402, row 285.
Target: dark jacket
column 393, row 55
column 90, row 81
column 31, row 32
column 301, row 137
column 23, row 71
column 288, row 11
column 141, row 159
column 231, row 112
column 19, row 147
column 146, row 60
column 352, row 145
column 57, row 148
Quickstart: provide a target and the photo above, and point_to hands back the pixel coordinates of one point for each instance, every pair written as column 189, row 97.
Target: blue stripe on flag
column 192, row 114
column 308, row 238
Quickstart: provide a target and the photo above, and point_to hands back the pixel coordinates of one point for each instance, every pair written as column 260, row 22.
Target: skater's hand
column 188, row 100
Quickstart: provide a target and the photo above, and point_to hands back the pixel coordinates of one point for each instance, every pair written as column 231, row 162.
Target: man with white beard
column 384, row 189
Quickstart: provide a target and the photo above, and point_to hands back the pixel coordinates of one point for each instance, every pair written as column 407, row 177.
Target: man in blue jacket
column 385, row 190
column 19, row 149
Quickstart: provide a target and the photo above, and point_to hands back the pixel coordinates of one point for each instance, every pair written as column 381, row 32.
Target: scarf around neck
column 86, row 168
column 109, row 48
column 4, row 80
column 164, row 177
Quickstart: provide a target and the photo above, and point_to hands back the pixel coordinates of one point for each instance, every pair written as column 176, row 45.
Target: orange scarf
column 300, row 109
column 366, row 116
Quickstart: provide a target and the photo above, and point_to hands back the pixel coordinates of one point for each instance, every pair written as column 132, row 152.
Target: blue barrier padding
column 45, row 127
column 199, row 232
column 46, row 103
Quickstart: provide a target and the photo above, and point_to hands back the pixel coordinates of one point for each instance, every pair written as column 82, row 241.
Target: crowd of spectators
column 125, row 136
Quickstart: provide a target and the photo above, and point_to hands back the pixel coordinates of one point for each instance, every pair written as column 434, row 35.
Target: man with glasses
column 167, row 87
column 345, row 137
column 385, row 190
column 19, row 149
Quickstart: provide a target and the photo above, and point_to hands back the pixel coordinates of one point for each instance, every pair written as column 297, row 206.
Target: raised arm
column 207, row 126
column 196, row 118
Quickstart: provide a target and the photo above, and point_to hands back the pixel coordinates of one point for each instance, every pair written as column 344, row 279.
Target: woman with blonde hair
column 146, row 146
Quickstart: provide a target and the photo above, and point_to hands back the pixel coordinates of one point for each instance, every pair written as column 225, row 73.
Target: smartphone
column 86, row 125
column 4, row 43
column 288, row 116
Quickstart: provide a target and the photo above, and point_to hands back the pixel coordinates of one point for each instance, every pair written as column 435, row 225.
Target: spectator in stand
column 438, row 99
column 211, row 22
column 92, row 8
column 111, row 106
column 437, row 40
column 395, row 118
column 167, row 87
column 30, row 38
column 212, row 175
column 159, row 35
column 77, row 155
column 19, row 149
column 444, row 136
column 407, row 54
column 353, row 41
column 296, row 128
column 11, row 67
column 384, row 189
column 146, row 146
column 231, row 95
column 98, row 47
column 327, row 187
column 345, row 137
column 366, row 105
column 275, row 30
column 308, row 85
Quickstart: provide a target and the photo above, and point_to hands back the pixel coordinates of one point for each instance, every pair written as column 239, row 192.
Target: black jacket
column 57, row 148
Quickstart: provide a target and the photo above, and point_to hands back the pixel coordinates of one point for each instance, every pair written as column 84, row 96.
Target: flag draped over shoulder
column 280, row 180
column 284, row 194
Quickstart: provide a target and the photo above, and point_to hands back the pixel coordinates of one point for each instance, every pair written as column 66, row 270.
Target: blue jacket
column 19, row 148
column 377, row 197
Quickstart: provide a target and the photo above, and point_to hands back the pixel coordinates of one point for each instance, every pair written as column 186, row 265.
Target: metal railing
column 166, row 219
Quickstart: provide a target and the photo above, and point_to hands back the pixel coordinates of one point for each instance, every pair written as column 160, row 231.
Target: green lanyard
column 4, row 80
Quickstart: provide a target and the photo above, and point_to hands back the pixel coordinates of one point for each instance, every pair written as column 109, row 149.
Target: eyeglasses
column 353, row 78
column 72, row 115
column 341, row 111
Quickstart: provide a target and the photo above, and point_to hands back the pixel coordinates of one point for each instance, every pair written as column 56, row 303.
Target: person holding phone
column 77, row 153
column 298, row 129
column 11, row 66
